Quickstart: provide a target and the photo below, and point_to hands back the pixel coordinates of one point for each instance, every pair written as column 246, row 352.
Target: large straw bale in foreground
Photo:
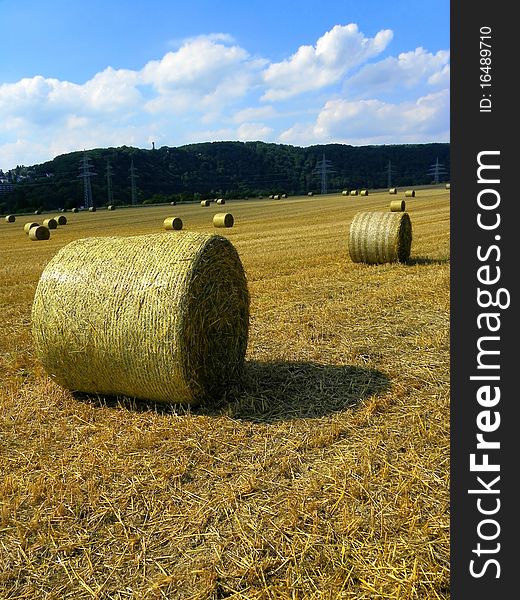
column 151, row 316
column 380, row 237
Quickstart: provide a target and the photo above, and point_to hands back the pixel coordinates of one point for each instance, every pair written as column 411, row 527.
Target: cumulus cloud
column 407, row 70
column 313, row 67
column 253, row 131
column 376, row 122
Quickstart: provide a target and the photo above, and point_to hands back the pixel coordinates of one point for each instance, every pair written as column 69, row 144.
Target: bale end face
column 167, row 320
column 223, row 220
column 380, row 237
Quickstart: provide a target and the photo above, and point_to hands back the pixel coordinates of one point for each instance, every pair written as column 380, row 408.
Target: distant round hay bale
column 276, row 197
column 447, row 186
column 61, row 220
column 37, row 212
column 363, row 193
column 28, row 226
column 50, row 223
column 63, row 210
column 380, row 237
column 39, row 233
column 271, row 196
column 111, row 207
column 167, row 319
column 392, row 191
column 75, row 210
column 172, row 223
column 410, row 193
column 92, row 209
column 10, row 219
column 310, row 194
column 284, row 195
column 173, row 203
column 397, row 205
column 345, row 192
column 223, row 220
column 204, row 203
column 353, row 192
column 221, row 201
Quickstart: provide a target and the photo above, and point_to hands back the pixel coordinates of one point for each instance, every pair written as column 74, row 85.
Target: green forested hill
column 221, row 169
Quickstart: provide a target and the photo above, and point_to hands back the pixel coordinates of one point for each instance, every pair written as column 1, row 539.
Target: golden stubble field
column 325, row 475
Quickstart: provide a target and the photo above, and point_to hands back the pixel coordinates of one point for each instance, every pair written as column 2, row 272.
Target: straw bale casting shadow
column 297, row 390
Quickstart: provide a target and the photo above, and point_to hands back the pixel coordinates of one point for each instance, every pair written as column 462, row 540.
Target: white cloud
column 253, row 131
column 313, row 67
column 408, row 70
column 376, row 122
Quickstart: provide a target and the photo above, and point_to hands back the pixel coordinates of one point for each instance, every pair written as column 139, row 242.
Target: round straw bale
column 92, row 209
column 380, row 237
column 172, row 223
column 111, row 207
column 447, row 186
column 392, row 191
column 345, row 192
column 37, row 212
column 28, row 226
column 353, row 192
column 39, row 233
column 363, row 193
column 75, row 210
column 221, row 201
column 276, row 197
column 10, row 219
column 284, row 195
column 167, row 319
column 173, row 203
column 310, row 194
column 397, row 205
column 223, row 220
column 61, row 220
column 271, row 196
column 204, row 203
column 410, row 193
column 50, row 223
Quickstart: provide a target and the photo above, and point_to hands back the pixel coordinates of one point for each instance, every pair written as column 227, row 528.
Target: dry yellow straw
column 410, row 193
column 61, row 220
column 380, row 237
column 158, row 317
column 50, row 223
column 28, row 226
column 172, row 223
column 397, row 205
column 39, row 233
column 223, row 220
column 10, row 219
column 392, row 191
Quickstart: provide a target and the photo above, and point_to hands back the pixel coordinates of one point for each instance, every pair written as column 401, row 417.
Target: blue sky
column 79, row 75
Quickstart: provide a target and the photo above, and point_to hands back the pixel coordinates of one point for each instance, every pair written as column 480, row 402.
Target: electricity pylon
column 323, row 168
column 86, row 174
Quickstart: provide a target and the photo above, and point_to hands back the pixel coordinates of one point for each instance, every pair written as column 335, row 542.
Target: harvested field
column 324, row 475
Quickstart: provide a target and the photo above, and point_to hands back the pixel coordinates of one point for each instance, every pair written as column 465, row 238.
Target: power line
column 437, row 170
column 133, row 175
column 86, row 174
column 110, row 194
column 323, row 168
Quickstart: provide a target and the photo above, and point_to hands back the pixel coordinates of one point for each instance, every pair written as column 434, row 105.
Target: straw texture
column 10, row 219
column 172, row 223
column 397, row 205
column 61, row 220
column 152, row 316
column 39, row 233
column 50, row 223
column 223, row 220
column 28, row 226
column 410, row 193
column 380, row 237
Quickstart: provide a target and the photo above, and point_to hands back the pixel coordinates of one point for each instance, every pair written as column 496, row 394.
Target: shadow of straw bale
column 279, row 391
column 422, row 260
column 271, row 392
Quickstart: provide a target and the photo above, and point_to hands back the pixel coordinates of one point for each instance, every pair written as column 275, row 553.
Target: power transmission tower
column 323, row 168
column 86, row 174
column 110, row 194
column 437, row 170
column 133, row 176
column 389, row 171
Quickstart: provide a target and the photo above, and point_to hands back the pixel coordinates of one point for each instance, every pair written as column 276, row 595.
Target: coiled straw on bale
column 172, row 223
column 50, row 223
column 61, row 220
column 392, row 191
column 28, row 226
column 380, row 237
column 397, row 205
column 10, row 219
column 410, row 193
column 223, row 220
column 151, row 316
column 39, row 233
